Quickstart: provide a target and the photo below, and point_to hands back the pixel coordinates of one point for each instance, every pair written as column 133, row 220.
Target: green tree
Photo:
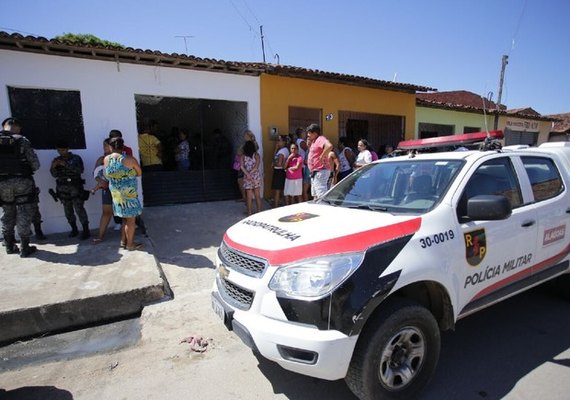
column 86, row 38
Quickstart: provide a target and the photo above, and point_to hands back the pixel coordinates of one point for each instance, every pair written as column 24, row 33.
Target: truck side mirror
column 488, row 207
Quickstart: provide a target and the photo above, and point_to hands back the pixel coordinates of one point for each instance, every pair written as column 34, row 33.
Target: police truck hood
column 309, row 230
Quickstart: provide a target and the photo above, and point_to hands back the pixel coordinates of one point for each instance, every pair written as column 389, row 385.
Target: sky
column 441, row 44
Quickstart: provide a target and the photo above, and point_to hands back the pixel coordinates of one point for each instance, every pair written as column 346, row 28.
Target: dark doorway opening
column 215, row 131
column 378, row 129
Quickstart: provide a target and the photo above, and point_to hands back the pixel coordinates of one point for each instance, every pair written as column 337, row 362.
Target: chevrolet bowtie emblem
column 223, row 272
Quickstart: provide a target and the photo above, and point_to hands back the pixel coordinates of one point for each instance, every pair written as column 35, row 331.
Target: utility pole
column 504, row 62
column 262, row 44
column 185, row 45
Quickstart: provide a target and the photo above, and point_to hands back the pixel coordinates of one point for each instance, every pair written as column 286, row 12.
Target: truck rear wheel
column 396, row 354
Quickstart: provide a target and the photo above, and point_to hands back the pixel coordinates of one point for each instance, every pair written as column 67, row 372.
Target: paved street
column 519, row 349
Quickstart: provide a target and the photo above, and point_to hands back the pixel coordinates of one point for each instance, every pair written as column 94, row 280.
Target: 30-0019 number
column 436, row 239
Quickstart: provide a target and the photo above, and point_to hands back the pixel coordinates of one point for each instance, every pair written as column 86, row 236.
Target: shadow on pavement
column 53, row 250
column 300, row 387
column 486, row 356
column 185, row 235
column 36, row 393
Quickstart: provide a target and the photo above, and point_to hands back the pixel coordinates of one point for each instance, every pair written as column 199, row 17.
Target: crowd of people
column 304, row 165
column 180, row 151
column 115, row 172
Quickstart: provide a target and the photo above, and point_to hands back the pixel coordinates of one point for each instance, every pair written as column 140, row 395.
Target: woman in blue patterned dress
column 122, row 172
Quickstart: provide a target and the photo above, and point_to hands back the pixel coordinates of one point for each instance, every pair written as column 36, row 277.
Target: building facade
column 81, row 93
column 456, row 112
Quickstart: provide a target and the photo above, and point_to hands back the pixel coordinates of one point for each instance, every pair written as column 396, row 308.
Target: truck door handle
column 568, row 211
column 528, row 223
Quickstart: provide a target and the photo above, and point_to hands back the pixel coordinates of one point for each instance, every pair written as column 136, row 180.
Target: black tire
column 383, row 365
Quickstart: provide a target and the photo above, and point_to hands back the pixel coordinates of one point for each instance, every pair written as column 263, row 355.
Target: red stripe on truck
column 343, row 244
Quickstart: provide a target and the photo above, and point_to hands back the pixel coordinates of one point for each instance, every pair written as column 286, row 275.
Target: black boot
column 85, row 234
column 10, row 243
column 26, row 248
column 39, row 234
column 74, row 232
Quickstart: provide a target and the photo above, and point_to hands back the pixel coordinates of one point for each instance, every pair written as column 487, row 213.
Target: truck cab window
column 496, row 177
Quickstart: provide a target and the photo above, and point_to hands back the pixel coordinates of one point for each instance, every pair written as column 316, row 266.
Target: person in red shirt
column 318, row 160
column 117, row 133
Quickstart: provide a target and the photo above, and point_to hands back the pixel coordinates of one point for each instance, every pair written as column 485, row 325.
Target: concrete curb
column 68, row 285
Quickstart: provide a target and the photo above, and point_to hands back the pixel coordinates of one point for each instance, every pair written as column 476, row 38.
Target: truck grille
column 243, row 263
column 234, row 294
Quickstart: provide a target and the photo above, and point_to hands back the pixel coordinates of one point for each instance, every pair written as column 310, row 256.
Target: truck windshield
column 407, row 185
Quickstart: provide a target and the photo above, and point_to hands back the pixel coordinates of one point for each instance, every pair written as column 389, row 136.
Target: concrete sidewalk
column 70, row 283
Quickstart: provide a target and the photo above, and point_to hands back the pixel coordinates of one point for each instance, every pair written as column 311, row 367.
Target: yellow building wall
column 543, row 128
column 278, row 93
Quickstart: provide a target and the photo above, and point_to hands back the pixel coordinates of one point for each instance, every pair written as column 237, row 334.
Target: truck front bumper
column 299, row 348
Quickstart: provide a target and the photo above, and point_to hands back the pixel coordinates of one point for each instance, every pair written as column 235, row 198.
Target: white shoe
column 117, row 227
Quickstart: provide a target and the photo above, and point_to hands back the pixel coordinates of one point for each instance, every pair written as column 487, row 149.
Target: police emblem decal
column 297, row 217
column 475, row 246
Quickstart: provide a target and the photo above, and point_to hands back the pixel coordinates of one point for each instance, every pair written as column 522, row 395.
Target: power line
column 519, row 21
column 261, row 35
column 241, row 16
column 251, row 12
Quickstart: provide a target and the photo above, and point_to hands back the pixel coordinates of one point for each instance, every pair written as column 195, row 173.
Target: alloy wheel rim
column 402, row 358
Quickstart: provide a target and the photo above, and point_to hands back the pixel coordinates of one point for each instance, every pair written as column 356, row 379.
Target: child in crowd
column 293, row 176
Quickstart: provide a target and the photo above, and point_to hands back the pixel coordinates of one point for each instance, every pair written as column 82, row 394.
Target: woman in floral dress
column 250, row 161
column 122, row 172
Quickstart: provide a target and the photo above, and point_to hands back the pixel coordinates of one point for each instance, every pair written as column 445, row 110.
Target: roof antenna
column 504, row 62
column 488, row 98
column 185, row 44
column 489, row 143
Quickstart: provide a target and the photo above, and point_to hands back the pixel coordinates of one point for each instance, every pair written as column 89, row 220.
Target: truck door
column 497, row 255
column 552, row 210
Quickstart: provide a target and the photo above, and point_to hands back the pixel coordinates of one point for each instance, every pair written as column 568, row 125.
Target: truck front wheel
column 396, row 354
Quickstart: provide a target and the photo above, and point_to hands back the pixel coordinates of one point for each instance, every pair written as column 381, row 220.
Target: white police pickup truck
column 358, row 284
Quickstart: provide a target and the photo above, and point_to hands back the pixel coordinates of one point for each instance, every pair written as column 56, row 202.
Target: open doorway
column 215, row 131
column 378, row 129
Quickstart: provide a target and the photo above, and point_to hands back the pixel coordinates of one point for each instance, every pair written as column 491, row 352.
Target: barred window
column 48, row 116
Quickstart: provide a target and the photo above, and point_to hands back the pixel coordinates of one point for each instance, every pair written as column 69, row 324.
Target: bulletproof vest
column 13, row 160
column 67, row 173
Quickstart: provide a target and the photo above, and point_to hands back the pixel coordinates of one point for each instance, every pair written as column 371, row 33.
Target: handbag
column 237, row 162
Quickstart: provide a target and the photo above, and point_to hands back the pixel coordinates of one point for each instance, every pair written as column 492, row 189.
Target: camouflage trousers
column 70, row 197
column 36, row 216
column 18, row 202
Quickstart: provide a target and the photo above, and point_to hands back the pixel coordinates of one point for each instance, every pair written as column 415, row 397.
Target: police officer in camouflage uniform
column 18, row 161
column 36, row 215
column 67, row 169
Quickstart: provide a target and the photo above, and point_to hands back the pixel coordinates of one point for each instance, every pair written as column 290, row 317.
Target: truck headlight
column 315, row 277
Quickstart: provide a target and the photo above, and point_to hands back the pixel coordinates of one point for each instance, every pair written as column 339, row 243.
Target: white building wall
column 107, row 92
